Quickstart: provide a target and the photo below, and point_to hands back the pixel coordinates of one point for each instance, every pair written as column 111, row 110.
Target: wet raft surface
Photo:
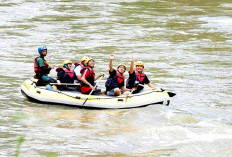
column 73, row 98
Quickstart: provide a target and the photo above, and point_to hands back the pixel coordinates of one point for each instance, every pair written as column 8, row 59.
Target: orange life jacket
column 38, row 69
column 139, row 76
column 120, row 77
column 91, row 78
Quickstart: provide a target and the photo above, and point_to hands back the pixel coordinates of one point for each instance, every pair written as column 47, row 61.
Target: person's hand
column 133, row 59
column 92, row 87
column 101, row 75
column 133, row 89
column 58, row 81
column 51, row 66
column 158, row 89
column 112, row 56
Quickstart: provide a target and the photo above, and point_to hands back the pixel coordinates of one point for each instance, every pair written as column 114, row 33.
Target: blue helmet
column 41, row 48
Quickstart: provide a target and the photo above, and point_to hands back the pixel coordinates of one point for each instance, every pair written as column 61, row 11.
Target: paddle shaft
column 169, row 93
column 129, row 94
column 91, row 91
column 66, row 84
column 143, row 85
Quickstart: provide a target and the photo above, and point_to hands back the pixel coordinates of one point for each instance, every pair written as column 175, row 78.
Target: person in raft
column 42, row 68
column 137, row 78
column 115, row 82
column 88, row 78
column 66, row 75
column 79, row 66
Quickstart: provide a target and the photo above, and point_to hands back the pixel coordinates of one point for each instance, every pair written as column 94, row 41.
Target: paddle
column 129, row 94
column 161, row 90
column 169, row 93
column 66, row 84
column 92, row 90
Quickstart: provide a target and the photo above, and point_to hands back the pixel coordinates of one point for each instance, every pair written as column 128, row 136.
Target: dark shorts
column 69, row 88
column 45, row 80
column 138, row 91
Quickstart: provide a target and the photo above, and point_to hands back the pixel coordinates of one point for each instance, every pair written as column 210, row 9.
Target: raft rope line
column 55, row 91
column 77, row 97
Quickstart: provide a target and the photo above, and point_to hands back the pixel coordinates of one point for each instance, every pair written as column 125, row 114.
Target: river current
column 187, row 49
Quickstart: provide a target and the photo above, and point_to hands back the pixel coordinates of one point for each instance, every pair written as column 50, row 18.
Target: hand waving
column 112, row 56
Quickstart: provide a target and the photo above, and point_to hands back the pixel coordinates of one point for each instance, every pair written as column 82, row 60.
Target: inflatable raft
column 73, row 98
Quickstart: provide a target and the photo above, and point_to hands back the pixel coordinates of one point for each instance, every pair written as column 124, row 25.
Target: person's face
column 69, row 66
column 139, row 68
column 121, row 69
column 84, row 63
column 44, row 52
column 91, row 63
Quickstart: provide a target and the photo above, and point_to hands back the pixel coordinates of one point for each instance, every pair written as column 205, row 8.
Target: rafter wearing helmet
column 65, row 74
column 42, row 68
column 115, row 82
column 137, row 77
column 88, row 78
column 79, row 66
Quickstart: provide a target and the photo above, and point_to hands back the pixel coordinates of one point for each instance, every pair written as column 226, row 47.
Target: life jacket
column 112, row 83
column 120, row 77
column 133, row 82
column 91, row 78
column 78, row 64
column 69, row 75
column 38, row 69
column 139, row 76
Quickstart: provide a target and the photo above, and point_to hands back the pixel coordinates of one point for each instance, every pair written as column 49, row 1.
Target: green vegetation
column 55, row 154
column 20, row 141
column 18, row 116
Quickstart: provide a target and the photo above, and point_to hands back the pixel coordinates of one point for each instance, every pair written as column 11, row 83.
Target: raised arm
column 132, row 66
column 111, row 62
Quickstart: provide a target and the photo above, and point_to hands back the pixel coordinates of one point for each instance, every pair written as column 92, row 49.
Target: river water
column 187, row 49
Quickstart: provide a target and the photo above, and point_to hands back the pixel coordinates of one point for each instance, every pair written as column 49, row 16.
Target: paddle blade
column 171, row 94
column 84, row 101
